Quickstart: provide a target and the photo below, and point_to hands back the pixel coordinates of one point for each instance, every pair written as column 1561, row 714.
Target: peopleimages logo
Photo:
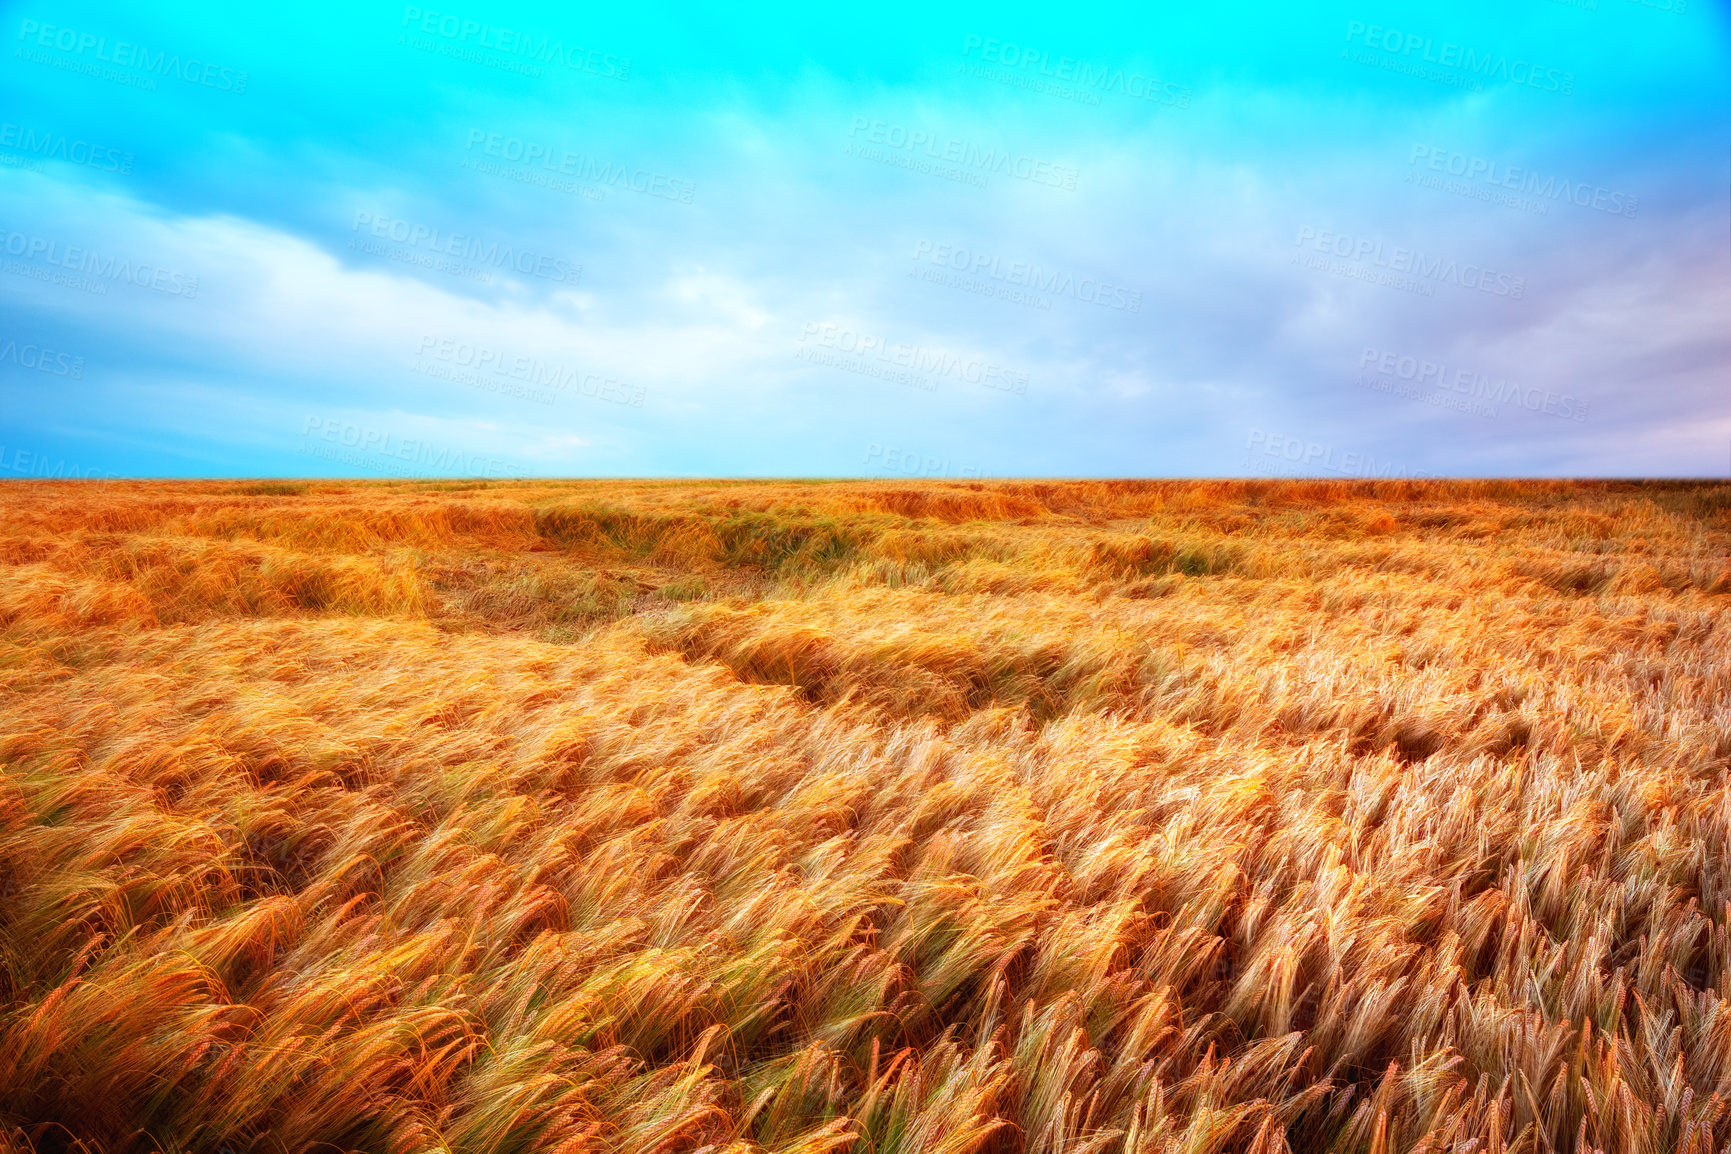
column 1477, row 169
column 563, row 162
column 1404, row 261
column 469, row 248
column 1434, row 374
column 1310, row 455
column 1068, row 77
column 532, row 374
column 970, row 158
column 384, row 451
column 27, row 464
column 460, row 32
column 916, row 360
column 43, row 360
column 911, row 463
column 1462, row 65
column 125, row 55
column 94, row 264
column 46, row 145
column 1024, row 274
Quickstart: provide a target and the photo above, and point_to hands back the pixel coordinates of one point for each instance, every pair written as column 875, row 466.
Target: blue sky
column 1354, row 239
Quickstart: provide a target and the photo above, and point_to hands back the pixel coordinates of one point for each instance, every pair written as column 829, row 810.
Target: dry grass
column 803, row 818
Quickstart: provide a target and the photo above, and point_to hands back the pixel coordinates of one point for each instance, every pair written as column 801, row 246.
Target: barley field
column 805, row 817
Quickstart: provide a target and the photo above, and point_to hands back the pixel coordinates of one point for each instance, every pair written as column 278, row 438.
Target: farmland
column 888, row 817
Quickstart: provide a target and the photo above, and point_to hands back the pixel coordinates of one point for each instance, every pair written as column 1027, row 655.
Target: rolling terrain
column 650, row 817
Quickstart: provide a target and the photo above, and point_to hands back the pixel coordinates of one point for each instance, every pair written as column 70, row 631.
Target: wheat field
column 805, row 817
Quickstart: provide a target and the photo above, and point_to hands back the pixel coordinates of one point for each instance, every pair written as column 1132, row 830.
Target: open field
column 1076, row 817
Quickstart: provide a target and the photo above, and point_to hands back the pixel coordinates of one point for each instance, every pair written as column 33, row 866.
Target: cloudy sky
column 376, row 239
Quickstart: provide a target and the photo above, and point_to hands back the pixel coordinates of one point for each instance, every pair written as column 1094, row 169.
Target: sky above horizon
column 1336, row 240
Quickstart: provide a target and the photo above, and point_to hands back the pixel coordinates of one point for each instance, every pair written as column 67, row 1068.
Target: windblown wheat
column 1088, row 817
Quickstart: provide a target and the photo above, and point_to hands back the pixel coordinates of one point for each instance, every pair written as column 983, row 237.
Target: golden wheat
column 1085, row 817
